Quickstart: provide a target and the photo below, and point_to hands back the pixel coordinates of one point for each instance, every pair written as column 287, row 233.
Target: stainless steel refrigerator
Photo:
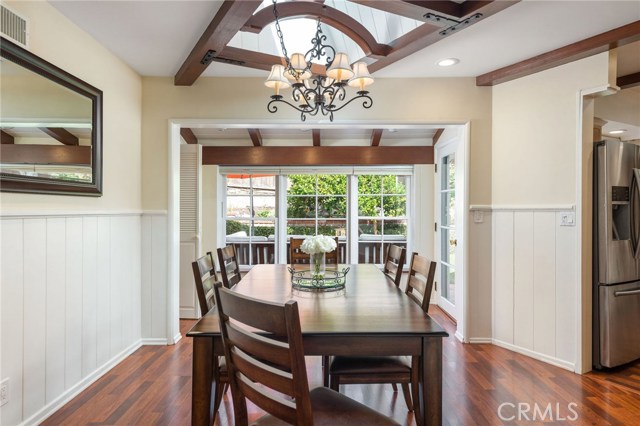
column 616, row 277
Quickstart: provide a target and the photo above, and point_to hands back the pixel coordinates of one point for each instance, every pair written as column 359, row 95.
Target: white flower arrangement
column 318, row 244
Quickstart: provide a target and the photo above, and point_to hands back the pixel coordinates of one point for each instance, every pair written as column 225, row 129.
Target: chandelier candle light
column 317, row 93
column 317, row 247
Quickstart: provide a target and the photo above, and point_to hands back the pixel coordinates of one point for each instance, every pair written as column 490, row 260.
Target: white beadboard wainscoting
column 154, row 278
column 534, row 283
column 71, row 300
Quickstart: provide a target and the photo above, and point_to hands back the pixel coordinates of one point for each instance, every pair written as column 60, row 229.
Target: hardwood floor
column 481, row 382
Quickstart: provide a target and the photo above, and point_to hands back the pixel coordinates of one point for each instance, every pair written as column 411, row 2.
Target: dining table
column 371, row 316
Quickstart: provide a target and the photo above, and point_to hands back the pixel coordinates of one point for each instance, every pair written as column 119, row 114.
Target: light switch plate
column 567, row 219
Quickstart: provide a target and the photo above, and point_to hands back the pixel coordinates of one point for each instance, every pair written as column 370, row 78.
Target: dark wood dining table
column 370, row 317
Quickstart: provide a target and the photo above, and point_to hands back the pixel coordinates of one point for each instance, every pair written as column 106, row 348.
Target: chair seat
column 373, row 364
column 331, row 408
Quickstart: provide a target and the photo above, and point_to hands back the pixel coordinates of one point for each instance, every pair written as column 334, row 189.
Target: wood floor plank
column 153, row 387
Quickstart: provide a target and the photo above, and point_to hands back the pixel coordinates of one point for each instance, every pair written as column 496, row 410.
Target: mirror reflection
column 49, row 127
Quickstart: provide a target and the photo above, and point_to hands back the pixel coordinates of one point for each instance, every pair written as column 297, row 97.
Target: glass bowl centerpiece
column 317, row 247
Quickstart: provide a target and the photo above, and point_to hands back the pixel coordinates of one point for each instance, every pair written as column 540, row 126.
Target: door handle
column 635, row 192
column 453, row 242
column 626, row 293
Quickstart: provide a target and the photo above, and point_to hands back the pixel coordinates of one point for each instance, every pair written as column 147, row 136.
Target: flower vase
column 318, row 262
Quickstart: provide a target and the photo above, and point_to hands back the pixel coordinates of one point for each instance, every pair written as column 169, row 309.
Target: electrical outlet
column 4, row 392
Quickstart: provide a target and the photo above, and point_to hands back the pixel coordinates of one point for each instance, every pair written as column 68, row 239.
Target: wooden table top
column 369, row 305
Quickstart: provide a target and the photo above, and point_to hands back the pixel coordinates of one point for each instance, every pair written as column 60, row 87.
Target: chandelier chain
column 280, row 35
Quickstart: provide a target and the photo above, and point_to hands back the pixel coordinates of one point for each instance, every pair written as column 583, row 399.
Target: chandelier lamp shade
column 314, row 93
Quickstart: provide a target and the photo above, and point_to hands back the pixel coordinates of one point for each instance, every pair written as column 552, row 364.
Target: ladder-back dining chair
column 390, row 369
column 264, row 351
column 229, row 267
column 204, row 274
column 394, row 263
column 297, row 256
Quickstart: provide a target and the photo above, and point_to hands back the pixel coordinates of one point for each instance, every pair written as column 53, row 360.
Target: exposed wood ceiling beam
column 329, row 16
column 255, row 136
column 61, row 135
column 231, row 16
column 416, row 9
column 626, row 81
column 428, row 34
column 572, row 52
column 437, row 135
column 376, row 135
column 6, row 138
column 316, row 137
column 188, row 136
column 316, row 156
column 46, row 154
column 257, row 60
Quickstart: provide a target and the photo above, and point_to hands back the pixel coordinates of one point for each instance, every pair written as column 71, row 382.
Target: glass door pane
column 448, row 241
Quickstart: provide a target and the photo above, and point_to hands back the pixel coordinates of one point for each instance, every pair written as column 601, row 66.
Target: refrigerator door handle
column 626, row 293
column 635, row 192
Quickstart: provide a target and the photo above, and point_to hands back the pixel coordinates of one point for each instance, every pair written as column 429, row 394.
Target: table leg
column 202, row 382
column 430, row 384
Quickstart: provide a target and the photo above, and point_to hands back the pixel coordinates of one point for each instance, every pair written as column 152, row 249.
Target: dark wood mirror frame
column 15, row 183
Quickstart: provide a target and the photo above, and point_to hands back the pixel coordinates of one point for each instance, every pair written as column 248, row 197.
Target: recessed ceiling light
column 392, row 130
column 617, row 132
column 448, row 62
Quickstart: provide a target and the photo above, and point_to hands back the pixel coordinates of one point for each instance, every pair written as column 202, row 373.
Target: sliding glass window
column 251, row 217
column 367, row 212
column 317, row 204
column 382, row 215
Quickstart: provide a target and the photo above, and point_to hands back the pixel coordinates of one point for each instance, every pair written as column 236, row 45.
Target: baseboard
column 177, row 338
column 67, row 396
column 481, row 340
column 536, row 355
column 459, row 336
column 155, row 341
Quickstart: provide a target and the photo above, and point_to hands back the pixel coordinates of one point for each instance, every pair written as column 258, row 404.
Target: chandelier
column 313, row 94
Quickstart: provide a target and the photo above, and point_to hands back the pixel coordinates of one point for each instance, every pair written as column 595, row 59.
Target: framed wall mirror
column 51, row 127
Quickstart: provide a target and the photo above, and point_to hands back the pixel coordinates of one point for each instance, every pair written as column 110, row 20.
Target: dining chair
column 394, row 263
column 229, row 267
column 390, row 369
column 204, row 274
column 264, row 351
column 296, row 255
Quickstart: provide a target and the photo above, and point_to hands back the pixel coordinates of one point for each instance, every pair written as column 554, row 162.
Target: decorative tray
column 305, row 280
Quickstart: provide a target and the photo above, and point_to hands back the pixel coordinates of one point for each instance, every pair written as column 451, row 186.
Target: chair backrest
column 263, row 348
column 229, row 268
column 332, row 256
column 394, row 263
column 420, row 282
column 296, row 255
column 204, row 275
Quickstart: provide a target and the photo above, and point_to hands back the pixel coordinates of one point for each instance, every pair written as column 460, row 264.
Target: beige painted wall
column 535, row 125
column 60, row 42
column 423, row 100
column 623, row 107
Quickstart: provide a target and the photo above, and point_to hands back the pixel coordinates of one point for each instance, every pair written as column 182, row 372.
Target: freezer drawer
column 619, row 323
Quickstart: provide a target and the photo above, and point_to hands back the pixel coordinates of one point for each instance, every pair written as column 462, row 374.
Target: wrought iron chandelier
column 317, row 93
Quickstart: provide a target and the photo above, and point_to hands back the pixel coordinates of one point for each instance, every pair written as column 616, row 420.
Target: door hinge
column 435, row 227
column 436, row 168
column 435, row 283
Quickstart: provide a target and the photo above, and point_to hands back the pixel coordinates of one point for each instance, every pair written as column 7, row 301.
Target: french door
column 448, row 211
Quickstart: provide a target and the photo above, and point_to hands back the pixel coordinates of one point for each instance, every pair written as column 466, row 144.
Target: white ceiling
column 155, row 37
